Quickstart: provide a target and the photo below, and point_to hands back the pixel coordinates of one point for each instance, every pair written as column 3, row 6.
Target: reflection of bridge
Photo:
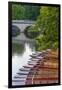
column 22, row 24
column 21, row 39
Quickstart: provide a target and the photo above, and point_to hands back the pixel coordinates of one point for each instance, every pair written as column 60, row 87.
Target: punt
column 22, row 73
column 28, row 66
column 25, row 69
column 39, row 57
column 25, row 72
column 21, row 76
column 17, row 83
column 34, row 59
column 32, row 64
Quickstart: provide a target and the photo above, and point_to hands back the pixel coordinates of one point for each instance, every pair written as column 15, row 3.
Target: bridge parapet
column 23, row 21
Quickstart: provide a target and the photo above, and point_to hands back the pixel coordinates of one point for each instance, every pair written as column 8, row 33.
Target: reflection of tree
column 31, row 45
column 18, row 48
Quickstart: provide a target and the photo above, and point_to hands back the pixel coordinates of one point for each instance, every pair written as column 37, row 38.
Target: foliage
column 31, row 32
column 48, row 22
column 29, row 12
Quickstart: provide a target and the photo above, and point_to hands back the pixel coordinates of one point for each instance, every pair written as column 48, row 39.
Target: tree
column 48, row 22
column 28, row 12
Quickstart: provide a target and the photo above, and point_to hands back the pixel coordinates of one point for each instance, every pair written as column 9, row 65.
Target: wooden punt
column 22, row 73
column 18, row 81
column 34, row 59
column 18, row 77
column 24, row 69
column 39, row 57
column 28, row 66
column 51, row 78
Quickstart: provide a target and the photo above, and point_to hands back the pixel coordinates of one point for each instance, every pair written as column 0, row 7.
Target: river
column 21, row 52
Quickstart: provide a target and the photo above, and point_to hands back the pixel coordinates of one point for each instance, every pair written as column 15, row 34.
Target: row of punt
column 35, row 72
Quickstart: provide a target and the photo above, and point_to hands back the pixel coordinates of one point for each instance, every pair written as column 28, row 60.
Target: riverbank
column 46, row 71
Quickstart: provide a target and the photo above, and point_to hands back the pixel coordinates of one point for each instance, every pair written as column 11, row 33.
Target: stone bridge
column 22, row 24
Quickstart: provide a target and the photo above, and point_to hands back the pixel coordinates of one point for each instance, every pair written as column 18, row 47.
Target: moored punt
column 28, row 66
column 34, row 56
column 41, row 53
column 35, row 59
column 22, row 73
column 22, row 82
column 39, row 57
column 23, row 69
column 39, row 67
column 45, row 67
column 33, row 63
column 21, row 76
column 37, row 52
column 32, row 73
column 40, row 80
column 18, row 83
column 51, row 78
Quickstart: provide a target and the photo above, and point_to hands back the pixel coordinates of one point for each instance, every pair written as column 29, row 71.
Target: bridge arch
column 22, row 24
column 15, row 30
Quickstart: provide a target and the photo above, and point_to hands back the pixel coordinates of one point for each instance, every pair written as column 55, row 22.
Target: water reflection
column 21, row 55
column 18, row 48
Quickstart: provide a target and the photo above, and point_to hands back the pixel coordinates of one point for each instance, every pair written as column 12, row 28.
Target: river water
column 21, row 52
